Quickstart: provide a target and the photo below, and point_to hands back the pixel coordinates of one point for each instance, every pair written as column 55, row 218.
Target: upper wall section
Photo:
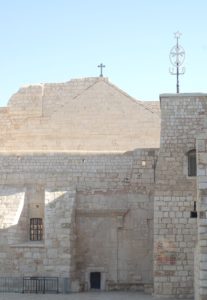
column 87, row 114
column 182, row 119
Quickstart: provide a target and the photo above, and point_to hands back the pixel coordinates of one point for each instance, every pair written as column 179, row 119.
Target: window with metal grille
column 36, row 229
column 192, row 163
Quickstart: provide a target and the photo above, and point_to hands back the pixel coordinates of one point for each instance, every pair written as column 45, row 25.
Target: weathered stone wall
column 201, row 258
column 85, row 171
column 19, row 256
column 175, row 233
column 113, row 194
column 87, row 114
column 60, row 232
column 115, row 237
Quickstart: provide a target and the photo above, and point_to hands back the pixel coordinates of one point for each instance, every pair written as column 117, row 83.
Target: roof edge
column 174, row 95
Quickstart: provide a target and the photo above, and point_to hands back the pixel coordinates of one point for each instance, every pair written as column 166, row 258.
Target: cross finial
column 177, row 57
column 177, row 34
column 101, row 66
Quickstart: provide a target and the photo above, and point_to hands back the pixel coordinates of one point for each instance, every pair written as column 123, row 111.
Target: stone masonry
column 88, row 114
column 201, row 251
column 175, row 233
column 113, row 191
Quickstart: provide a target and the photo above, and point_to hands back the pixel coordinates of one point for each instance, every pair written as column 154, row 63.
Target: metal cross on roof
column 177, row 57
column 101, row 66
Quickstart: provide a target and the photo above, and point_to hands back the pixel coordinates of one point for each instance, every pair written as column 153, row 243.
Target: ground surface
column 84, row 296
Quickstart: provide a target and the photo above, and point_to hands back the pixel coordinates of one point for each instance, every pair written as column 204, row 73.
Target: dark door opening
column 95, row 280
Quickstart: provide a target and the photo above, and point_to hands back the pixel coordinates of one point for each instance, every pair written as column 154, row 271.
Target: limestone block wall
column 110, row 212
column 123, row 222
column 88, row 114
column 27, row 101
column 11, row 203
column 84, row 171
column 196, row 272
column 201, row 253
column 175, row 233
column 51, row 257
column 59, row 232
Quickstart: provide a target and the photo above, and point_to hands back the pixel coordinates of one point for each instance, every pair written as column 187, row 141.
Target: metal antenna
column 177, row 57
column 101, row 66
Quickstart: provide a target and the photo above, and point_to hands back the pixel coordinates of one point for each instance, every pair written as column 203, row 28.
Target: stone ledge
column 29, row 245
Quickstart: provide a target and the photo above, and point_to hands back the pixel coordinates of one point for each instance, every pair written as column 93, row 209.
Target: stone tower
column 175, row 232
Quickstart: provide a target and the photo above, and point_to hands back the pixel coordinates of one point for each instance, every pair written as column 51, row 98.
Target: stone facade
column 109, row 201
column 80, row 115
column 114, row 192
column 201, row 250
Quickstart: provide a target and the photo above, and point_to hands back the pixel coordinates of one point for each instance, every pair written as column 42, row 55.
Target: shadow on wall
column 19, row 256
column 72, row 245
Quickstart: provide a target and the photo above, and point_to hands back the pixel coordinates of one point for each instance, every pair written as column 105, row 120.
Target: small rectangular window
column 36, row 229
column 192, row 163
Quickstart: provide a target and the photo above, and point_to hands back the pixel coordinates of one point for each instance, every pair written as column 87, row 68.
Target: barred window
column 192, row 163
column 36, row 229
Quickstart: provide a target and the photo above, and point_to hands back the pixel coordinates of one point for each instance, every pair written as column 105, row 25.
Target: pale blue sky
column 57, row 40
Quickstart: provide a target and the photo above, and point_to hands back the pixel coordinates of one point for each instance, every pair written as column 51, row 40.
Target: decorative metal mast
column 101, row 66
column 177, row 57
